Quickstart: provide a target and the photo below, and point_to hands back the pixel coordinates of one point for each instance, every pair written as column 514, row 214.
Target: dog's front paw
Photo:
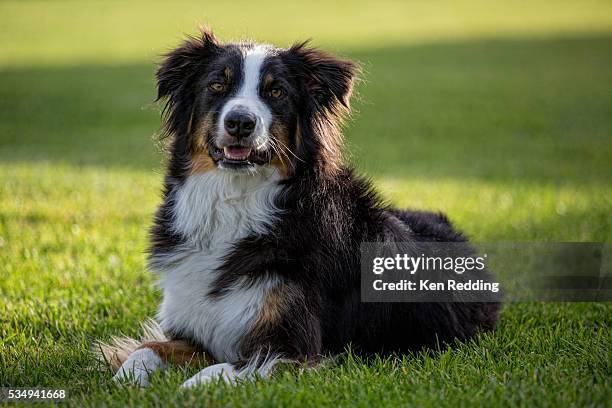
column 225, row 371
column 138, row 367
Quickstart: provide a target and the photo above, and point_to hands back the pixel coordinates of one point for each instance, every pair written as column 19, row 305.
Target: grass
column 498, row 115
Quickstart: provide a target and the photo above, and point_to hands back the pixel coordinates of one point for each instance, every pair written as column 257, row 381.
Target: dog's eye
column 217, row 86
column 276, row 93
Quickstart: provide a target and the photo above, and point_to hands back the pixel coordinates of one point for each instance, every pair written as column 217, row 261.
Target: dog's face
column 243, row 107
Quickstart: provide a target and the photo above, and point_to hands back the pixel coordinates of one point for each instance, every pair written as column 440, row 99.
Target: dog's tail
column 118, row 349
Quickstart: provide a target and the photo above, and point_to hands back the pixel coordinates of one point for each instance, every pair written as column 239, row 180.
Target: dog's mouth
column 239, row 157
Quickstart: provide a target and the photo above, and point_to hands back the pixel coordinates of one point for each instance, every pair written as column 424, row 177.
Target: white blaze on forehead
column 247, row 97
column 253, row 61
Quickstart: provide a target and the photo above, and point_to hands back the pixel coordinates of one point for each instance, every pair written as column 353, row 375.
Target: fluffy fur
column 257, row 240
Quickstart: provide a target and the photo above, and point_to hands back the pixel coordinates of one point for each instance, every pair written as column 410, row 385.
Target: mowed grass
column 499, row 116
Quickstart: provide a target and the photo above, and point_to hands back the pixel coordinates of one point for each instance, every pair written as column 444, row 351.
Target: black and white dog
column 257, row 240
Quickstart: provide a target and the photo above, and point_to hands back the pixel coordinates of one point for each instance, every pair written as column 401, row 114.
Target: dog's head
column 243, row 107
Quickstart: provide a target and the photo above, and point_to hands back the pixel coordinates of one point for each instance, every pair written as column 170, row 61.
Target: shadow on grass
column 504, row 110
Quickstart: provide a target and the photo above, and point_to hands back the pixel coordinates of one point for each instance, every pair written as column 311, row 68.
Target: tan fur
column 271, row 310
column 267, row 80
column 284, row 154
column 276, row 304
column 118, row 349
column 201, row 161
column 176, row 352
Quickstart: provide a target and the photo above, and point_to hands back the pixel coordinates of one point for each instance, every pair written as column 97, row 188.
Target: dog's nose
column 239, row 123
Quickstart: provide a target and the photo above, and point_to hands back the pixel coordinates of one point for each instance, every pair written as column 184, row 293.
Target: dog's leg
column 134, row 360
column 230, row 373
column 138, row 367
column 284, row 331
column 155, row 356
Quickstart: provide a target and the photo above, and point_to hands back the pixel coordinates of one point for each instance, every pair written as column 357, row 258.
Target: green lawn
column 498, row 114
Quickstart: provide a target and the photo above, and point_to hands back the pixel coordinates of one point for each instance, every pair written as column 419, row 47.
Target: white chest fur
column 212, row 211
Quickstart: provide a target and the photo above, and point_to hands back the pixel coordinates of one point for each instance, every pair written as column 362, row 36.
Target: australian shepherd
column 256, row 242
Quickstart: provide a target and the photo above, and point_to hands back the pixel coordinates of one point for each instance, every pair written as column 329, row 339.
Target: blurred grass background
column 499, row 114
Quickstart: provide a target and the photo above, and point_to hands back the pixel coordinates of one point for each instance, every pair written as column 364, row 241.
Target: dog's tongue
column 237, row 153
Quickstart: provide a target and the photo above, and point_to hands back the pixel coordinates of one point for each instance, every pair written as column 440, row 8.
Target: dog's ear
column 181, row 64
column 328, row 79
column 327, row 83
column 177, row 73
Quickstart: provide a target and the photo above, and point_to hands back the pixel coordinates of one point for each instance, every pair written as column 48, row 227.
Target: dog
column 257, row 240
